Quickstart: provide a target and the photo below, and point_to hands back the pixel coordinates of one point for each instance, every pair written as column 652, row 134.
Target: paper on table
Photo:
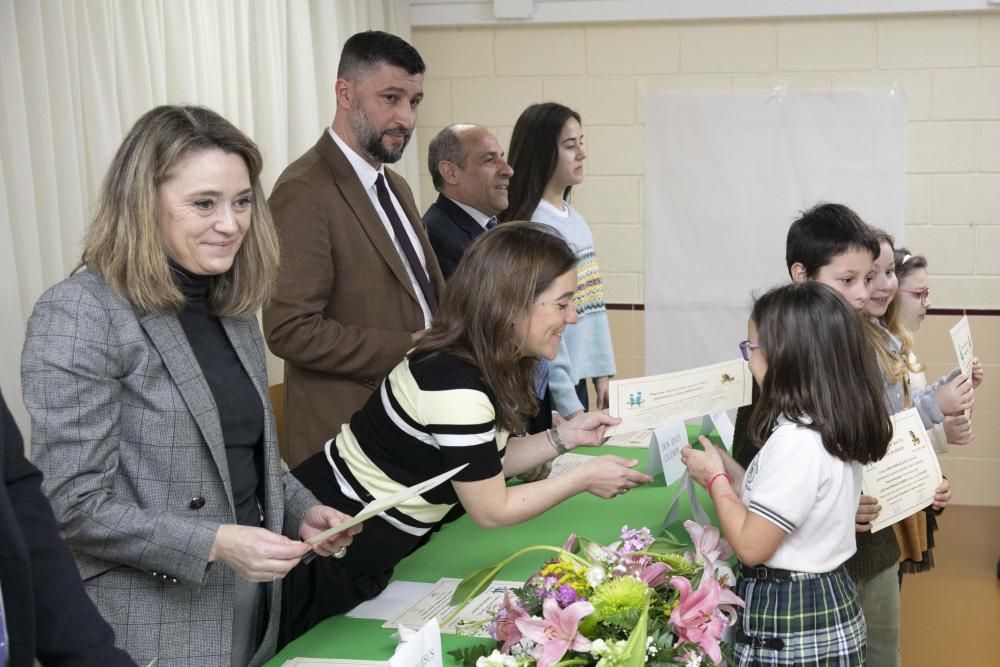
column 419, row 648
column 637, row 439
column 905, row 478
column 398, row 595
column 382, row 504
column 648, row 402
column 437, row 604
column 665, row 452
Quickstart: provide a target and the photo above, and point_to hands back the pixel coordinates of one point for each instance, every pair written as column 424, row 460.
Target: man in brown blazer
column 359, row 279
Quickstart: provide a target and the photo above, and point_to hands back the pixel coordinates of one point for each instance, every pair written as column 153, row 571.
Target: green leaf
column 636, row 646
column 473, row 584
column 477, row 582
column 667, row 545
column 468, row 655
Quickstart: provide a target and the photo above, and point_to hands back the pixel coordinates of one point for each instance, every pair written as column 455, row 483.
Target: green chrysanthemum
column 678, row 563
column 620, row 601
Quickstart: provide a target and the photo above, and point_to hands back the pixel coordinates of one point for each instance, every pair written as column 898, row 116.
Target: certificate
column 437, row 604
column 647, row 402
column 905, row 478
column 961, row 338
column 637, row 439
column 380, row 505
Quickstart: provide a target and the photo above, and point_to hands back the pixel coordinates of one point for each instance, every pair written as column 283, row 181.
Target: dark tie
column 491, row 223
column 404, row 242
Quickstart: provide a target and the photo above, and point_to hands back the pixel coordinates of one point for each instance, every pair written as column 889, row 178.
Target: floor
column 951, row 615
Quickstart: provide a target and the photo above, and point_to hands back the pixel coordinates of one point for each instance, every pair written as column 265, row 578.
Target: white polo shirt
column 797, row 485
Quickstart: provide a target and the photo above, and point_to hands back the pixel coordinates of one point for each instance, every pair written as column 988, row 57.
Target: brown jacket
column 344, row 309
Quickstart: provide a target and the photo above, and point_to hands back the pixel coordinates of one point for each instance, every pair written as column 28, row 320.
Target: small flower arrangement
column 638, row 601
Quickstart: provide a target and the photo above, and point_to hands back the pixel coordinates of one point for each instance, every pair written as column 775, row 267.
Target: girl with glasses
column 790, row 515
column 914, row 300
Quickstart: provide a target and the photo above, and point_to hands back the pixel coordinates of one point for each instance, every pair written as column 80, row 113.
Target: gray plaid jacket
column 126, row 430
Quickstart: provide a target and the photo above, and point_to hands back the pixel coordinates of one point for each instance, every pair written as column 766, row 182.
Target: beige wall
column 948, row 67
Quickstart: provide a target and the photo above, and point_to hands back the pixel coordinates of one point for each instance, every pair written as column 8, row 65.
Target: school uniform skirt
column 799, row 619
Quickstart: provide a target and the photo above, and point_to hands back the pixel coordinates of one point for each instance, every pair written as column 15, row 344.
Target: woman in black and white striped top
column 457, row 398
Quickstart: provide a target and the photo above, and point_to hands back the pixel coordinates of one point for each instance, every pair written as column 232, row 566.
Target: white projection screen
column 726, row 175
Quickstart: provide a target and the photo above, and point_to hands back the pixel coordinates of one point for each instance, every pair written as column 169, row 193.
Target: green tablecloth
column 463, row 547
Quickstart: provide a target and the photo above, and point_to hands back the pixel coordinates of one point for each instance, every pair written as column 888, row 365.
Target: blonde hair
column 123, row 241
column 894, row 364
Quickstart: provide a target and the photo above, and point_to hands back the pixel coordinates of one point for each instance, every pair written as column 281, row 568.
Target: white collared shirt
column 368, row 174
column 481, row 218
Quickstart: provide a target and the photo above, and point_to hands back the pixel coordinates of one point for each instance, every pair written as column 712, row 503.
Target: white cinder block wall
column 948, row 67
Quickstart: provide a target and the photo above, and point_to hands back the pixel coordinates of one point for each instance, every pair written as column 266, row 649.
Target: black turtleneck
column 241, row 413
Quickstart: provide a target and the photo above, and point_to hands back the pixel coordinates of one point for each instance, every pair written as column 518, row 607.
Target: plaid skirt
column 815, row 618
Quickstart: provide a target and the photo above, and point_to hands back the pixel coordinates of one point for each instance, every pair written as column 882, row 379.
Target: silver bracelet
column 556, row 440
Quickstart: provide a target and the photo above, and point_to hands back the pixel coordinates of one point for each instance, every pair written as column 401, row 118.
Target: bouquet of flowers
column 637, row 601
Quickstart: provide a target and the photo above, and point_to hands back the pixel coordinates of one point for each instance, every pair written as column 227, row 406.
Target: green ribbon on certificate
column 698, row 513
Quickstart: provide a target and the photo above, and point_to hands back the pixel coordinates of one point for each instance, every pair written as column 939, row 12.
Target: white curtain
column 76, row 74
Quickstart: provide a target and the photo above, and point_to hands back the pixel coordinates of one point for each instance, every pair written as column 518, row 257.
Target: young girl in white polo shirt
column 790, row 515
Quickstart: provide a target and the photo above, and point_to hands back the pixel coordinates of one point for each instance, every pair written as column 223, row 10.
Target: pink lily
column 696, row 617
column 557, row 632
column 710, row 550
column 506, row 629
column 655, row 574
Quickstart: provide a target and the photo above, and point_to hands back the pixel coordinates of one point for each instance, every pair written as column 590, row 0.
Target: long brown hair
column 123, row 241
column 534, row 155
column 820, row 367
column 496, row 282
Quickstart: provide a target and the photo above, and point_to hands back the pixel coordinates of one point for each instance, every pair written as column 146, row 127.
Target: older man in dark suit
column 468, row 169
column 45, row 612
column 358, row 280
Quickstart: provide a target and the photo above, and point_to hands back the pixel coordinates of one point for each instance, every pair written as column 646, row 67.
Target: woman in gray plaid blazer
column 145, row 377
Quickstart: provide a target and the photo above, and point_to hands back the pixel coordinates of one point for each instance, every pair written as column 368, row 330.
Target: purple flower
column 565, row 596
column 635, row 540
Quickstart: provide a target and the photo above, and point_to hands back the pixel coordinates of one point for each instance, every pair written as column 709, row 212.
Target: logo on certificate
column 727, row 378
column 915, row 439
column 635, row 400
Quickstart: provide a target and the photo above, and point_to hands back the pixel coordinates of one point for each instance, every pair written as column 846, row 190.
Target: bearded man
column 359, row 281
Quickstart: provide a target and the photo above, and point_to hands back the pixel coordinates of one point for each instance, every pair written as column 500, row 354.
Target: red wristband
column 716, row 476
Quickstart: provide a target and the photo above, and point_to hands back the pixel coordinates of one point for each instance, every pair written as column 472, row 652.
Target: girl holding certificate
column 790, row 515
column 547, row 155
column 913, row 300
column 456, row 400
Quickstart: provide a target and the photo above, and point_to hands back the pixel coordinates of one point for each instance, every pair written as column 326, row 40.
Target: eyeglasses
column 923, row 293
column 746, row 348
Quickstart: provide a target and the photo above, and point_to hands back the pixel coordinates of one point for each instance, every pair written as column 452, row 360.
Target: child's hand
column 958, row 430
column 868, row 510
column 977, row 372
column 942, row 494
column 702, row 465
column 955, row 397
